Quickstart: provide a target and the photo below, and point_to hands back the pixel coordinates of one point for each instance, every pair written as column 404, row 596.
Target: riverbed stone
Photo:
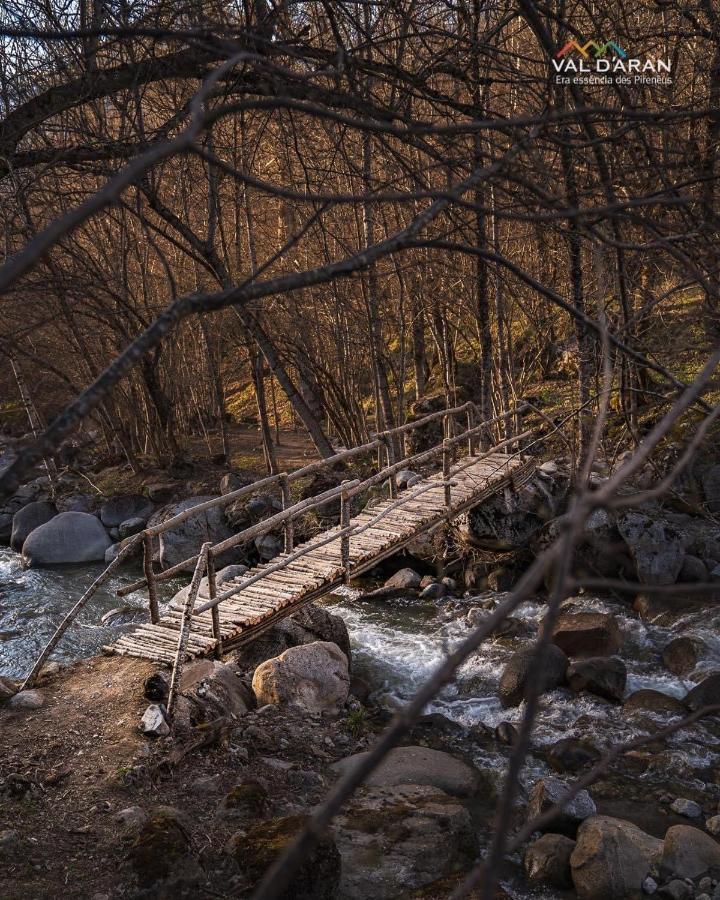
column 130, row 527
column 185, row 540
column 28, row 518
column 688, row 808
column 604, row 676
column 119, row 509
column 676, row 890
column 707, row 693
column 313, row 677
column 418, row 765
column 71, row 537
column 612, row 858
column 546, row 793
column 689, row 853
column 405, row 579
column 656, row 546
column 513, row 681
column 587, row 634
column 547, row 861
column 571, row 755
column 8, row 687
column 26, row 700
column 653, row 701
column 395, row 840
column 680, row 655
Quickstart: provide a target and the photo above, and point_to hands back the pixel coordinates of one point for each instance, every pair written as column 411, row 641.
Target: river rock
column 713, row 825
column 28, row 518
column 256, row 848
column 26, row 700
column 79, row 502
column 601, row 675
column 571, row 755
column 676, row 890
column 418, row 765
column 587, row 634
column 680, row 656
column 433, row 591
column 707, row 693
column 185, row 539
column 612, row 858
column 689, row 853
column 313, row 677
column 688, row 808
column 395, row 840
column 70, row 537
column 547, row 861
column 130, row 527
column 513, row 681
column 546, row 793
column 653, row 701
column 153, row 722
column 602, row 552
column 119, row 509
column 405, row 579
column 656, row 546
column 6, row 520
column 7, row 688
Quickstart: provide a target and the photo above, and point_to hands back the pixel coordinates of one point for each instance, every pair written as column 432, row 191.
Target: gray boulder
column 186, row 539
column 546, row 793
column 130, row 527
column 70, row 537
column 268, row 546
column 657, row 547
column 313, row 677
column 587, row 634
column 689, row 853
column 405, row 579
column 612, row 858
column 601, row 675
column 86, row 503
column 28, row 519
column 119, row 509
column 513, row 681
column 26, row 700
column 418, row 765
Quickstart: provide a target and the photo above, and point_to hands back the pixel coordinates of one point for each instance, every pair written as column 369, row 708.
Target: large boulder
column 6, row 521
column 587, row 634
column 214, row 689
column 689, row 853
column 256, row 848
column 513, row 681
column 119, row 509
column 405, row 579
column 28, row 519
column 601, row 675
column 313, row 677
column 710, row 480
column 395, row 840
column 601, row 550
column 70, row 537
column 611, row 859
column 707, row 693
column 547, row 861
column 680, row 655
column 418, row 765
column 546, row 793
column 186, row 539
column 656, row 546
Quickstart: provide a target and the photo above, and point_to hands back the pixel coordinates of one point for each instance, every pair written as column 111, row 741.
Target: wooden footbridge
column 223, row 617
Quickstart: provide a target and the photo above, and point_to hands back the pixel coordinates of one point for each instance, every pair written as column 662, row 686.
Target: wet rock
column 26, row 700
column 433, row 591
column 249, row 799
column 405, row 579
column 312, row 676
column 547, row 861
column 70, row 537
column 506, row 733
column 257, row 848
column 706, row 693
column 161, row 848
column 513, row 681
column 546, row 793
column 689, row 853
column 570, row 755
column 713, row 826
column 688, row 808
column 601, row 675
column 612, row 858
column 130, row 527
column 680, row 656
column 657, row 547
column 693, row 571
column 653, row 701
column 418, row 765
column 185, row 540
column 28, row 518
column 119, row 509
column 396, row 840
column 153, row 722
column 587, row 634
column 676, row 890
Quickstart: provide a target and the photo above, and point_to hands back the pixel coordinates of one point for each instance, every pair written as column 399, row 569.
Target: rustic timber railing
column 274, row 590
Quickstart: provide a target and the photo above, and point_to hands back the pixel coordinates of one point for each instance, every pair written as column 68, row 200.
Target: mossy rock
column 256, row 849
column 249, row 798
column 161, row 848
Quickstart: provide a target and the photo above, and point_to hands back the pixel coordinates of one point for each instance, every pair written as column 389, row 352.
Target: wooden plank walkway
column 252, row 610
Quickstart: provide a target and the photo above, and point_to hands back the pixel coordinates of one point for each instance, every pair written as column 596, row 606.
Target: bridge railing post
column 150, row 578
column 288, row 525
column 470, row 426
column 345, row 539
column 446, row 451
column 215, row 610
column 390, row 453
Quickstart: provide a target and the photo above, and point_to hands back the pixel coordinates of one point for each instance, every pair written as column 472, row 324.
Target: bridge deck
column 255, row 608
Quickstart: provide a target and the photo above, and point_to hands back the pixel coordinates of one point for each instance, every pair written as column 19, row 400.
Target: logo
column 606, row 62
column 597, row 49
